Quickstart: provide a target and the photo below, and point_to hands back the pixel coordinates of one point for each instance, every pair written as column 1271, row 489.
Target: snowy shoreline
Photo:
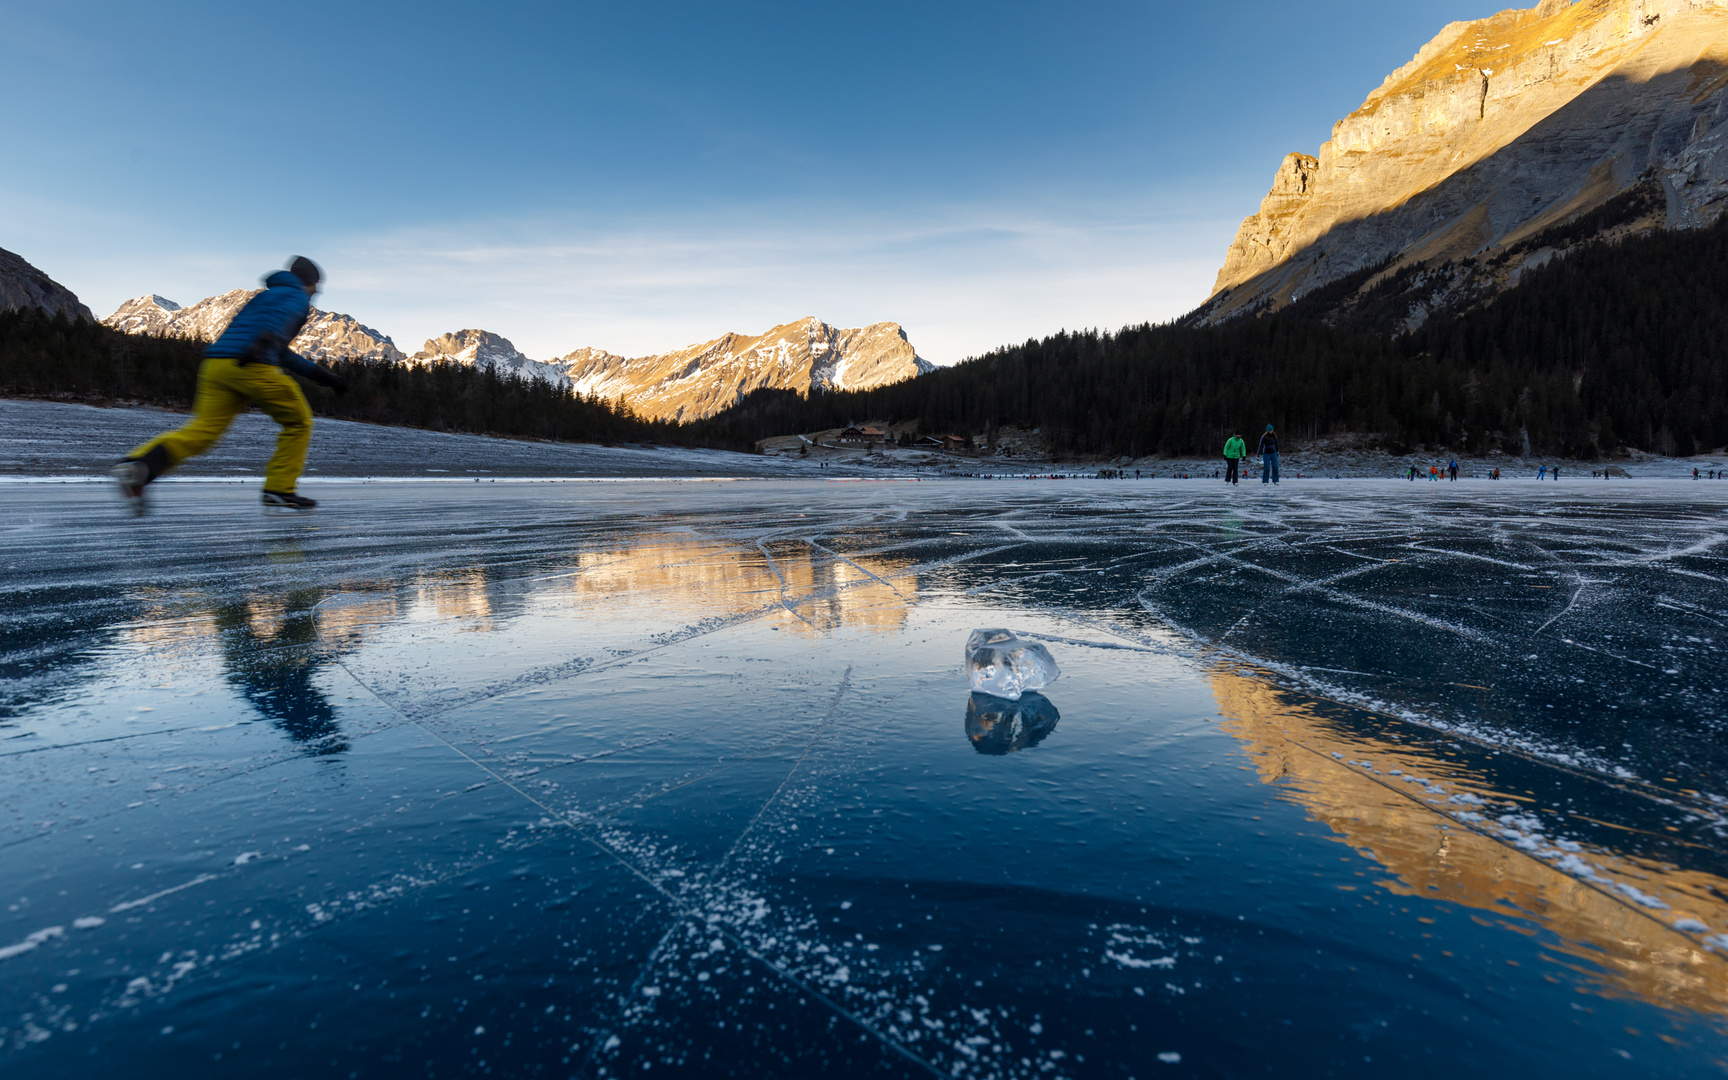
column 56, row 442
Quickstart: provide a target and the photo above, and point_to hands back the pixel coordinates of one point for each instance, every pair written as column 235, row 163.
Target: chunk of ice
column 998, row 662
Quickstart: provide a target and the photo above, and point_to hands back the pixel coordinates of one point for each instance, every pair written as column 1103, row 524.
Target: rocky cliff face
column 326, row 336
column 701, row 380
column 22, row 285
column 1504, row 140
column 486, row 349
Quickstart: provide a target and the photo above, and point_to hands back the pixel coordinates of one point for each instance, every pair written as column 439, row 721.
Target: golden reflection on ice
column 343, row 619
column 807, row 589
column 1625, row 949
column 164, row 622
column 461, row 596
column 264, row 614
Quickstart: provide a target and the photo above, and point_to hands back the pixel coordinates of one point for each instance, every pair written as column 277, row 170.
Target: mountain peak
column 700, row 380
column 483, row 348
column 805, row 355
column 326, row 336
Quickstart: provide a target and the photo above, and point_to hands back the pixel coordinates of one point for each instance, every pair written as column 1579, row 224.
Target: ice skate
column 283, row 501
column 131, row 475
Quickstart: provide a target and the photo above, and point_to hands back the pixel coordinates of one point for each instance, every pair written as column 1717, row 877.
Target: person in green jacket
column 1234, row 451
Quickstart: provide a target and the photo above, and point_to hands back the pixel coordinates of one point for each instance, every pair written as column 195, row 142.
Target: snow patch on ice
column 31, row 942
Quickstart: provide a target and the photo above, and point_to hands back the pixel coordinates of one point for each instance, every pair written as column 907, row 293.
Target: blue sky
column 639, row 176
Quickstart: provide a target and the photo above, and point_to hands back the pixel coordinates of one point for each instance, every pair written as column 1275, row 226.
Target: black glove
column 325, row 377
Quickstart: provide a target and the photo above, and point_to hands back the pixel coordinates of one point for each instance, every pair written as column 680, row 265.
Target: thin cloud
column 960, row 284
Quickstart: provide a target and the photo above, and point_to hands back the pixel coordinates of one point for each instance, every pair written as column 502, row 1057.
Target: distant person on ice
column 1234, row 451
column 247, row 365
column 1268, row 451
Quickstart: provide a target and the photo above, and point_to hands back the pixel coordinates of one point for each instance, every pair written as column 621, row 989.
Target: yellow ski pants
column 225, row 389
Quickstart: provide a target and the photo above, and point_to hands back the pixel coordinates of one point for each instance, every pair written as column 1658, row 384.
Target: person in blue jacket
column 1268, row 451
column 247, row 365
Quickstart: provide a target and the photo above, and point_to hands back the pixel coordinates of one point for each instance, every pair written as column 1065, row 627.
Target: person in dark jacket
column 1268, row 452
column 247, row 365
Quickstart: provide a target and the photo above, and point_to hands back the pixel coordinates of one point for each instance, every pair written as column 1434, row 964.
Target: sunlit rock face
column 24, row 286
column 483, row 348
column 1497, row 130
column 150, row 314
column 686, row 384
column 327, row 335
column 701, row 380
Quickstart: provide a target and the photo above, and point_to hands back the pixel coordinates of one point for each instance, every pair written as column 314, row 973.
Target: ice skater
column 1234, row 451
column 1268, row 451
column 247, row 365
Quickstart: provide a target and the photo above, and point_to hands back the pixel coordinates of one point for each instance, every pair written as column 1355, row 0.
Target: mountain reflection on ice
column 807, row 588
column 1436, row 816
column 637, row 779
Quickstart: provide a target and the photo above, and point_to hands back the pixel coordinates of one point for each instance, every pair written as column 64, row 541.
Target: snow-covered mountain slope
column 326, row 336
column 144, row 315
column 486, row 349
column 701, row 380
column 686, row 384
column 22, row 285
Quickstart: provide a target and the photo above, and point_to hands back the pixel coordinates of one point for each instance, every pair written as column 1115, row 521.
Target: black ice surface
column 581, row 779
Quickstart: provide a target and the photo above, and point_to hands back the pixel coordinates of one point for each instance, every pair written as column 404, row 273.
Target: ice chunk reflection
column 999, row 726
column 1390, row 801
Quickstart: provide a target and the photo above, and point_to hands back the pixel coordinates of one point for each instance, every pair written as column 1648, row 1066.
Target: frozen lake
column 636, row 778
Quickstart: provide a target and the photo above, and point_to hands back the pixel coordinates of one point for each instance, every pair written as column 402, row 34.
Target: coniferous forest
column 1617, row 345
column 42, row 356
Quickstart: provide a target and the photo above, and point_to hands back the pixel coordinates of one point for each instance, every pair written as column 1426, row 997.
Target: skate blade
column 289, row 511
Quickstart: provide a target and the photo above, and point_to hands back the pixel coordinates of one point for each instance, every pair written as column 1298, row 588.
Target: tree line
column 1616, row 345
column 52, row 357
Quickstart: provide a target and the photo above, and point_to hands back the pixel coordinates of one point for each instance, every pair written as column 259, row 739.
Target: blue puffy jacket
column 260, row 332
